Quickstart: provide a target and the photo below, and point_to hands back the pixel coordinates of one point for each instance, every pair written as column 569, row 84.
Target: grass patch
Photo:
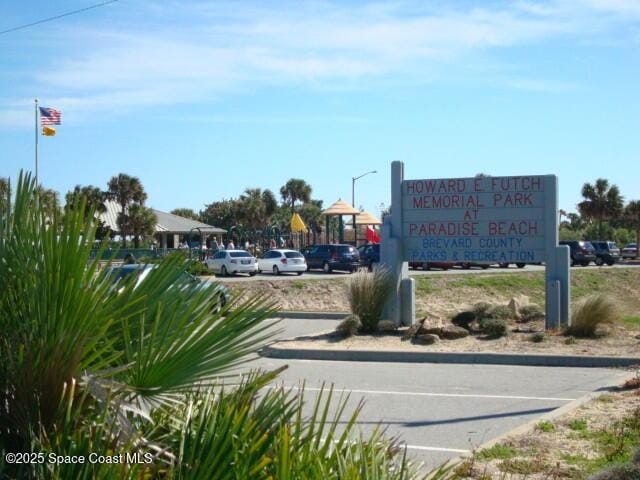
column 546, row 426
column 424, row 285
column 497, row 452
column 501, row 283
column 297, row 284
column 631, row 321
column 578, row 424
column 522, row 466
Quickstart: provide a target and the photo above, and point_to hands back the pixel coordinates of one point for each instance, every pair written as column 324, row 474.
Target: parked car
column 230, row 262
column 282, row 260
column 468, row 265
column 506, row 265
column 332, row 257
column 369, row 255
column 630, row 251
column 142, row 270
column 606, row 252
column 582, row 253
column 430, row 265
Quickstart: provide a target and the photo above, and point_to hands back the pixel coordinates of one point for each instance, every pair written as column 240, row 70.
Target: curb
column 531, row 424
column 312, row 315
column 275, row 351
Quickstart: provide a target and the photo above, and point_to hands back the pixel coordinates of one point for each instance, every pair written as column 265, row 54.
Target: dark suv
column 332, row 257
column 606, row 252
column 369, row 254
column 582, row 253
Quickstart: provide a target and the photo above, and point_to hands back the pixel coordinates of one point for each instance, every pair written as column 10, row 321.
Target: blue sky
column 204, row 99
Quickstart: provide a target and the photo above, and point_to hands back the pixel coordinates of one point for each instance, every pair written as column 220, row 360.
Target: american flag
column 50, row 116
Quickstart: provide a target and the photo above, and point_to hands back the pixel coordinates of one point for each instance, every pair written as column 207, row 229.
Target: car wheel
column 503, row 265
column 466, row 266
column 585, row 264
column 259, row 271
column 299, row 273
column 326, row 268
column 599, row 261
column 610, row 263
column 573, row 262
column 276, row 270
column 521, row 265
column 484, row 267
column 223, row 271
column 252, row 274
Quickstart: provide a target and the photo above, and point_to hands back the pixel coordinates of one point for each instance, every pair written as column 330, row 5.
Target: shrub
column 570, row 341
column 538, row 337
column 591, row 314
column 493, row 327
column 367, row 293
column 464, row 319
column 349, row 326
column 502, row 312
column 481, row 309
column 529, row 313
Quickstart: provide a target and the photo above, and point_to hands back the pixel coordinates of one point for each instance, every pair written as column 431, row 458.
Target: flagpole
column 36, row 114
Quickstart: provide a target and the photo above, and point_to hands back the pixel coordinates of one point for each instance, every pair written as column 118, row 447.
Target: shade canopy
column 365, row 218
column 340, row 208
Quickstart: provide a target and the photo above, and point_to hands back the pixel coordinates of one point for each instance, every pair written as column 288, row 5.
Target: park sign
column 480, row 219
column 477, row 220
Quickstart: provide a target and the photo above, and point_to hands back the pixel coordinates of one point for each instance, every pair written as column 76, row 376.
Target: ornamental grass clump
column 368, row 292
column 590, row 315
column 146, row 368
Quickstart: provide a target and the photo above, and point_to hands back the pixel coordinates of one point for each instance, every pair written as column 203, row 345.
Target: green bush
column 493, row 327
column 502, row 312
column 529, row 313
column 538, row 337
column 464, row 319
column 481, row 309
column 590, row 314
column 367, row 293
column 349, row 326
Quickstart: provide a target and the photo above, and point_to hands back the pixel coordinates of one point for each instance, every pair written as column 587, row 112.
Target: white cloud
column 182, row 52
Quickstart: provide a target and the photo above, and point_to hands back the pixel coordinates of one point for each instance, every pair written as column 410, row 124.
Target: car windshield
column 346, row 249
column 293, row 254
column 239, row 254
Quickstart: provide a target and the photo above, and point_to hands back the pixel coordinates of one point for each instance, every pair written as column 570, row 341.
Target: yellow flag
column 297, row 224
column 48, row 131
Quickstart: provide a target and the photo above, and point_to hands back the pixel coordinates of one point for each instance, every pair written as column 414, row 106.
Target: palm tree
column 256, row 207
column 141, row 222
column 49, row 202
column 185, row 212
column 93, row 197
column 632, row 219
column 295, row 190
column 601, row 203
column 92, row 369
column 126, row 190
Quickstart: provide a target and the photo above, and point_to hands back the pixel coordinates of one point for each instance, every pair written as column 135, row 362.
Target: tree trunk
column 136, row 242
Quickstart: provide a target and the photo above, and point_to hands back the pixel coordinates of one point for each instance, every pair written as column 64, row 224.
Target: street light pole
column 353, row 203
column 353, row 187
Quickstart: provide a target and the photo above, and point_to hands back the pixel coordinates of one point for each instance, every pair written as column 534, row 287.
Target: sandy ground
column 619, row 343
column 555, row 454
column 441, row 297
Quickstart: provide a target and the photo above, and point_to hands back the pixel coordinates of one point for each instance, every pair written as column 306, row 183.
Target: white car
column 282, row 260
column 230, row 262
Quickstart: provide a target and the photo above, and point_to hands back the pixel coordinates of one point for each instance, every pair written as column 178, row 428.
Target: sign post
column 474, row 220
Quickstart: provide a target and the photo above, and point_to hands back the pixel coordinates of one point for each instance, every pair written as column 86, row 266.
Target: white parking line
column 428, row 394
column 436, row 449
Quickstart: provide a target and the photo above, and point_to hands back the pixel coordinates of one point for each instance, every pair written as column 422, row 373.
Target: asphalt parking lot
column 317, row 274
column 441, row 411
